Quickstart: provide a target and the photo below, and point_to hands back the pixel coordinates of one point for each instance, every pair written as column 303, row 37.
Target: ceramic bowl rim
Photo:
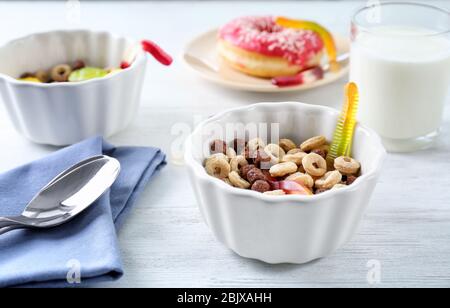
column 201, row 174
column 141, row 56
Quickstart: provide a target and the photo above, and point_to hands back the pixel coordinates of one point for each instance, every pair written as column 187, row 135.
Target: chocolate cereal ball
column 254, row 175
column 320, row 152
column 245, row 169
column 351, row 179
column 261, row 186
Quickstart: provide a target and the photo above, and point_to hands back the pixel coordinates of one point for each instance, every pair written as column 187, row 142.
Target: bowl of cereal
column 267, row 188
column 61, row 87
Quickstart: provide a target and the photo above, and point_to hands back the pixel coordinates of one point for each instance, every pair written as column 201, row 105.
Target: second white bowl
column 65, row 113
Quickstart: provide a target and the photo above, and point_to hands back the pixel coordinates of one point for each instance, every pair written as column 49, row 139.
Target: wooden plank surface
column 164, row 241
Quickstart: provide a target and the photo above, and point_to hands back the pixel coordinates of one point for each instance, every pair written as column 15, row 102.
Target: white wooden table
column 164, row 242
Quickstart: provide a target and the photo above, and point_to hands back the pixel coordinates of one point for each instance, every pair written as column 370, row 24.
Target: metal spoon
column 67, row 195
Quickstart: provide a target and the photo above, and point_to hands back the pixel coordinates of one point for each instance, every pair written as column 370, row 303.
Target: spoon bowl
column 67, row 195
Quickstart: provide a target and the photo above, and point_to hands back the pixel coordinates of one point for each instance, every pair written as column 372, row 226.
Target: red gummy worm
column 124, row 65
column 288, row 81
column 157, row 52
column 308, row 76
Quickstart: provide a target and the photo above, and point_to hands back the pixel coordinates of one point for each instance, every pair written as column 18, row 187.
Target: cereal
column 246, row 153
column 320, row 152
column 255, row 144
column 238, row 162
column 313, row 143
column 282, row 169
column 254, row 175
column 218, row 167
column 237, row 181
column 261, row 186
column 79, row 64
column 275, row 193
column 351, row 179
column 339, row 186
column 301, row 169
column 238, row 145
column 295, row 158
column 43, row 76
column 287, row 145
column 220, row 155
column 303, row 178
column 347, row 165
column 26, row 75
column 315, row 165
column 329, row 180
column 275, row 152
column 262, row 160
column 268, row 176
column 245, row 169
column 295, row 151
column 61, row 73
column 325, row 148
column 231, row 153
column 76, row 72
column 218, row 146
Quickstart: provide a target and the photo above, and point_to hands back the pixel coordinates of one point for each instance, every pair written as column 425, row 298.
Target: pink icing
column 262, row 35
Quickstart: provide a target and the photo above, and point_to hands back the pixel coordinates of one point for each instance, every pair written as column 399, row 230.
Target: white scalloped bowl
column 282, row 229
column 65, row 113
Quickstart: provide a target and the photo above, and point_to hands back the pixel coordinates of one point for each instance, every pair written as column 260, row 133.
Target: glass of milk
column 400, row 60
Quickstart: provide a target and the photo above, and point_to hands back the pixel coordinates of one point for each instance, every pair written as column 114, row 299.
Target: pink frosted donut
column 258, row 46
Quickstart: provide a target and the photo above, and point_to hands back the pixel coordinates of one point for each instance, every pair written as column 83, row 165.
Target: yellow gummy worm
column 345, row 129
column 326, row 36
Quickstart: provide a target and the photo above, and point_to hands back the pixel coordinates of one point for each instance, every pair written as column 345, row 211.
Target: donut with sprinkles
column 258, row 46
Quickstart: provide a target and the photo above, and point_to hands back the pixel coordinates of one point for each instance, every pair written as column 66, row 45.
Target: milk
column 404, row 77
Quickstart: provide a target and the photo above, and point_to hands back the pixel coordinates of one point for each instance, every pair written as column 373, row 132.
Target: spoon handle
column 7, row 224
column 8, row 229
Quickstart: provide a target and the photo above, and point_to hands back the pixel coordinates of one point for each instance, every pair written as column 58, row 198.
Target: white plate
column 204, row 47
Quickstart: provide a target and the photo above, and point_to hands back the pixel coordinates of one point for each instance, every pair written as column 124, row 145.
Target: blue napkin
column 86, row 247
